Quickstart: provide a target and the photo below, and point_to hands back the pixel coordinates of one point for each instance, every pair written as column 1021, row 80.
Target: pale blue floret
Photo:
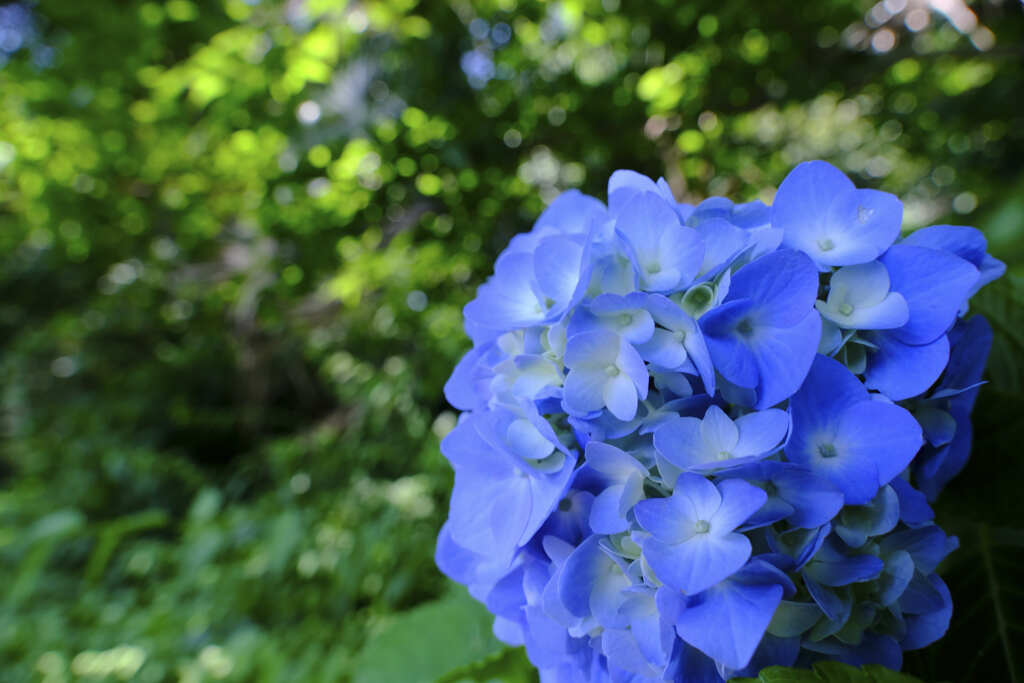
column 624, row 315
column 624, row 479
column 530, row 289
column 693, row 543
column 666, row 254
column 717, row 442
column 825, row 216
column 677, row 342
column 859, row 299
column 604, row 371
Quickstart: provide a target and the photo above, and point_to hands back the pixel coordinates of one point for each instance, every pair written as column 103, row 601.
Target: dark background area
column 236, row 238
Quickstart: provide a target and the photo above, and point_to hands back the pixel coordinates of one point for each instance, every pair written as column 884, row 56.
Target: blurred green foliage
column 236, row 237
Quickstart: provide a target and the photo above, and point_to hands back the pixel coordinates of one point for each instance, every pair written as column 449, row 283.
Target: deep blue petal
column 914, row 508
column 784, row 357
column 839, row 569
column 814, row 499
column 783, row 286
column 934, row 283
column 925, row 629
column 900, row 370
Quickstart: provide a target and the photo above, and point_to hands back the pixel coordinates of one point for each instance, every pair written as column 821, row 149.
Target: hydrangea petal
column 727, row 621
column 901, row 370
column 697, row 563
column 934, row 283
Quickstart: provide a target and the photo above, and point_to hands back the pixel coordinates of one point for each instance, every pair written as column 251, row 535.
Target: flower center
column 611, row 370
column 845, row 309
column 745, row 327
column 702, row 526
column 679, row 336
column 625, row 319
column 864, row 214
column 826, row 244
column 827, row 450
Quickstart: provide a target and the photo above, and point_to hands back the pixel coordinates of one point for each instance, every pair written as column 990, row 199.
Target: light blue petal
column 680, row 442
column 761, row 432
column 593, row 349
column 663, row 349
column 619, row 394
column 507, row 300
column 666, row 254
column 605, row 517
column 739, row 501
column 526, row 441
column 698, row 563
column 624, row 185
column 467, row 385
column 860, row 225
column 662, row 518
column 802, row 203
column 696, row 497
column 724, row 242
column 584, row 391
column 558, row 266
column 612, row 462
column 699, row 354
column 718, row 432
column 571, row 213
column 891, row 312
column 623, row 652
column 587, row 573
column 632, row 365
column 728, row 621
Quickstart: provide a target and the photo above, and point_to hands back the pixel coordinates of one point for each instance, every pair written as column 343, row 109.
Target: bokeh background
column 236, row 237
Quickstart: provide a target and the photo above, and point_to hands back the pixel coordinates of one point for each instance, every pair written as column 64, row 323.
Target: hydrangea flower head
column 702, row 440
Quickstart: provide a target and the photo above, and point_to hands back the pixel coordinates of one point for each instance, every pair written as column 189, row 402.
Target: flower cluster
column 701, row 440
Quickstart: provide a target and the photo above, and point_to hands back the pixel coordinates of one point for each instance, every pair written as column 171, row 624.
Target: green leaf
column 830, row 672
column 509, row 666
column 428, row 642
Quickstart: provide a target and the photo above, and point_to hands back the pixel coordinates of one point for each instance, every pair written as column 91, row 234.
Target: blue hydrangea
column 701, row 440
